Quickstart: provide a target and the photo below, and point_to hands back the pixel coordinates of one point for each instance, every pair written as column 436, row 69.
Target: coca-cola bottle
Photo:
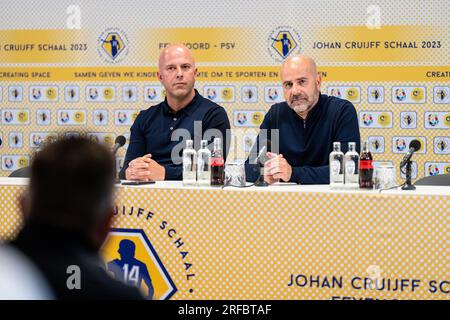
column 217, row 164
column 366, row 167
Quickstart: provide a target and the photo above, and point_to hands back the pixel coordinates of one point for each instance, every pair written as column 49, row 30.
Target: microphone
column 414, row 146
column 261, row 160
column 262, row 155
column 118, row 143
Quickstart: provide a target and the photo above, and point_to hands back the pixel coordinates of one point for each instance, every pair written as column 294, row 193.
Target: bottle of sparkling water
column 336, row 167
column 204, row 165
column 351, row 164
column 189, row 164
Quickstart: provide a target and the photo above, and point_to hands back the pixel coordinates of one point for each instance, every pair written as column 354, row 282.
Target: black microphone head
column 269, row 145
column 266, row 145
column 415, row 144
column 120, row 140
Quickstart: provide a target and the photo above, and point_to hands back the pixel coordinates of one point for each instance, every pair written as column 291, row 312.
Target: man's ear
column 318, row 80
column 158, row 74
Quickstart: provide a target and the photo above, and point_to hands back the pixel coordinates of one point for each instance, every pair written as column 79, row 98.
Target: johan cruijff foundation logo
column 283, row 42
column 442, row 145
column 441, row 95
column 130, row 257
column 376, row 144
column 113, row 45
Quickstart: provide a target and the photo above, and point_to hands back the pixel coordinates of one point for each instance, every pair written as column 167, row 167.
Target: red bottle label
column 365, row 164
column 217, row 162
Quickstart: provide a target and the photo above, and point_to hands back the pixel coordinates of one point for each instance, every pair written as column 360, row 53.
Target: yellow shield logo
column 130, row 258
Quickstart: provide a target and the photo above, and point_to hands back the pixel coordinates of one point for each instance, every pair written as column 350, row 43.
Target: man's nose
column 179, row 72
column 296, row 89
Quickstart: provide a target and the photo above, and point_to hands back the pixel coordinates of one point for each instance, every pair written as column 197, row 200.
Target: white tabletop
column 279, row 187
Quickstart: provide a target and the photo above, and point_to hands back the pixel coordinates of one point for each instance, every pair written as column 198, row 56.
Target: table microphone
column 118, row 143
column 261, row 160
column 414, row 146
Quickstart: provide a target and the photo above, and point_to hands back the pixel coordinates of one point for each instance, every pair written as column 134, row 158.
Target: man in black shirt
column 159, row 133
column 308, row 123
column 67, row 211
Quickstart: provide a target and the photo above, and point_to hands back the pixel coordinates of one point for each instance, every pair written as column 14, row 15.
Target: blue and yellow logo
column 283, row 42
column 441, row 145
column 441, row 94
column 377, row 144
column 408, row 120
column 131, row 258
column 113, row 45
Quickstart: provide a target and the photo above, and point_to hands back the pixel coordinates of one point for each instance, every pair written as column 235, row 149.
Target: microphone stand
column 116, row 179
column 260, row 182
column 408, row 185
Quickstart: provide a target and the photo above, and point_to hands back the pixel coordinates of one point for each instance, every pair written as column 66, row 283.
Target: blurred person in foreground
column 67, row 211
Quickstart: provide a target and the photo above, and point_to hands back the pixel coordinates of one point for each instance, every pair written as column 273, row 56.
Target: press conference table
column 280, row 242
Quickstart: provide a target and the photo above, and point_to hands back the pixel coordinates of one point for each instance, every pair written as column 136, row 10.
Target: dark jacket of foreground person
column 55, row 251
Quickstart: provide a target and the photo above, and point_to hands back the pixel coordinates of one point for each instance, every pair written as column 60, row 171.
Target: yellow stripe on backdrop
column 44, row 46
column 220, row 74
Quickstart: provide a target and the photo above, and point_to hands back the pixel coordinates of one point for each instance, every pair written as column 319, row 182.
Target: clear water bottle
column 204, row 165
column 336, row 167
column 189, row 164
column 351, row 164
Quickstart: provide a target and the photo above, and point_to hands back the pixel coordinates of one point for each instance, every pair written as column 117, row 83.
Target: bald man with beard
column 308, row 123
column 154, row 151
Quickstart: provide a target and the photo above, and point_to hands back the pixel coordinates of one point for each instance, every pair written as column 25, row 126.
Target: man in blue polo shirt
column 154, row 152
column 308, row 123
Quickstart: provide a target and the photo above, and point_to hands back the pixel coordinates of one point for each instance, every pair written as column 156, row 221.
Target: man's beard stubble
column 306, row 105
